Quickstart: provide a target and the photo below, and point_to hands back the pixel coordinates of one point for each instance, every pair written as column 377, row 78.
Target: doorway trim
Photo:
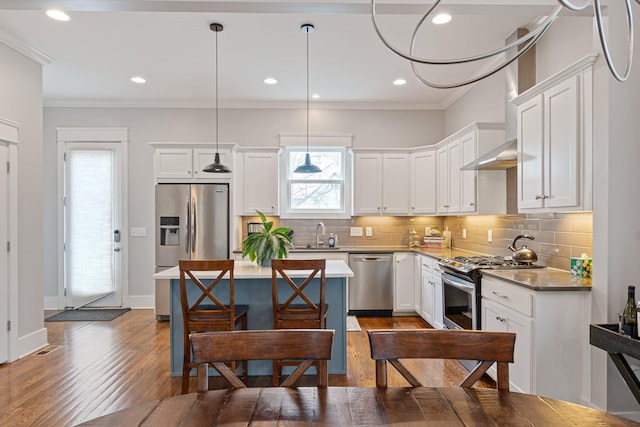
column 9, row 137
column 98, row 135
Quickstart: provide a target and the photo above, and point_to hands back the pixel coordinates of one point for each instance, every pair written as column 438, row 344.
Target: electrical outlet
column 464, row 233
column 356, row 232
column 490, row 236
column 369, row 231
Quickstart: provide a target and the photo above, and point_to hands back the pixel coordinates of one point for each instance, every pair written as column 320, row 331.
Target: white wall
column 250, row 127
column 483, row 103
column 21, row 103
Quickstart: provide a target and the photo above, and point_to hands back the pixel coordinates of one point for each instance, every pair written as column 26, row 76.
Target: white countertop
column 250, row 270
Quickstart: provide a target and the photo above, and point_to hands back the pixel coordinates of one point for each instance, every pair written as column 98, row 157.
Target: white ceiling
column 94, row 55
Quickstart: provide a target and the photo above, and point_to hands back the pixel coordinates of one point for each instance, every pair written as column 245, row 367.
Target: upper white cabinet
column 449, row 158
column 423, row 182
column 470, row 191
column 260, row 172
column 185, row 163
column 381, row 183
column 555, row 142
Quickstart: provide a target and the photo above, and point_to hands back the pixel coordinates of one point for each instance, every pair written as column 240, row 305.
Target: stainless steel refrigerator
column 192, row 222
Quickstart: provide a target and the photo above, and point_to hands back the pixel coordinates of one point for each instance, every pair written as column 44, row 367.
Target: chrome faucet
column 319, row 227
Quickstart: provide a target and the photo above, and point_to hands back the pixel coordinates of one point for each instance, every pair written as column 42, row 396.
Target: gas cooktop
column 466, row 264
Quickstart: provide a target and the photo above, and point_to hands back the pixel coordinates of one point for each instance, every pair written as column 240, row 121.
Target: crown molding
column 22, row 47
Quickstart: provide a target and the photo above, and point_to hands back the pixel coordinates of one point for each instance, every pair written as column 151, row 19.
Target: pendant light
column 307, row 166
column 216, row 166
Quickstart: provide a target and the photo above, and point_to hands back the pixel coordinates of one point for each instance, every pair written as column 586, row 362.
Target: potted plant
column 268, row 243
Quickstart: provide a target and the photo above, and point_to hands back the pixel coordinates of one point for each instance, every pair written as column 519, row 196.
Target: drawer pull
column 500, row 319
column 498, row 294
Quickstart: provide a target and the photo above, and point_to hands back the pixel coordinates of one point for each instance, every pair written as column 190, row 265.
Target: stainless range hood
column 502, row 157
column 519, row 76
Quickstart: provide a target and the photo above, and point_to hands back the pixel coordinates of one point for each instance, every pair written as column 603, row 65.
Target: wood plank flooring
column 95, row 368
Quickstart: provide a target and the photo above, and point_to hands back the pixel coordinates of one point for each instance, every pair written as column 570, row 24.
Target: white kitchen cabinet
column 423, row 182
column 468, row 145
column 417, row 284
column 499, row 318
column 381, row 183
column 448, row 164
column 551, row 335
column 555, row 142
column 470, row 191
column 260, row 185
column 404, row 282
column 431, row 285
column 184, row 163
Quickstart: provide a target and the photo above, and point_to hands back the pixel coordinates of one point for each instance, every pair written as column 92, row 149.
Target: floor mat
column 352, row 324
column 87, row 315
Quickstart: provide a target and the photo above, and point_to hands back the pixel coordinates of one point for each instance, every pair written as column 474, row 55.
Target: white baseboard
column 142, row 301
column 51, row 303
column 28, row 344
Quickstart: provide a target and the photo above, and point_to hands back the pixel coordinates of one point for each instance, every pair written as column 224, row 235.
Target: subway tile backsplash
column 558, row 237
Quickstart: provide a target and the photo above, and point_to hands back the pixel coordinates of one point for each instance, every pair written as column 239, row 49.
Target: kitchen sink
column 315, row 248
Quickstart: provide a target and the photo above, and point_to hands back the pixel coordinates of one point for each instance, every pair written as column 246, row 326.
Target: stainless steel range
column 461, row 287
column 461, row 279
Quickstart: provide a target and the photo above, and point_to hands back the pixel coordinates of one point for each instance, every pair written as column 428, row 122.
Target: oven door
column 459, row 300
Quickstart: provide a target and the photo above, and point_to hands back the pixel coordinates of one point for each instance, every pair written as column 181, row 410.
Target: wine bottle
column 629, row 321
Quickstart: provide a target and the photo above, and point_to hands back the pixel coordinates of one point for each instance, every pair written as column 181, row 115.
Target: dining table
column 359, row 406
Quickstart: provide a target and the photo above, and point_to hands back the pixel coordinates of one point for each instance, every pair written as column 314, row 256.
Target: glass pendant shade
column 216, row 166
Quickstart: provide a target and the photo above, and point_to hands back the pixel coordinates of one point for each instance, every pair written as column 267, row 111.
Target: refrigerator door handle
column 188, row 231
column 194, row 226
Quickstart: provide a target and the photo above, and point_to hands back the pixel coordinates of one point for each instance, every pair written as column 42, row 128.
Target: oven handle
column 451, row 281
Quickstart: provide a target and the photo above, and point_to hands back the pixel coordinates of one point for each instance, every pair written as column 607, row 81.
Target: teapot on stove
column 523, row 254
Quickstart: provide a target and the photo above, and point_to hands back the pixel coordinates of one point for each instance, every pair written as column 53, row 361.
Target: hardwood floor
column 95, row 368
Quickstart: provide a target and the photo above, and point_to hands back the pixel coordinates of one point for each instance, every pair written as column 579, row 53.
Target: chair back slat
column 307, row 345
column 485, row 347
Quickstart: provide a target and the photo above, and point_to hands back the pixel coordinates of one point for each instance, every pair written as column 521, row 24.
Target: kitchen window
column 326, row 193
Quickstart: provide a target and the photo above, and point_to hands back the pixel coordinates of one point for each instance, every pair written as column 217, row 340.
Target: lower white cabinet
column 403, row 275
column 431, row 296
column 551, row 328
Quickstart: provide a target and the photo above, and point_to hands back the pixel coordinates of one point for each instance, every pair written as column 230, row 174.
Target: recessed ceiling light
column 315, row 96
column 138, row 79
column 399, row 82
column 270, row 81
column 441, row 18
column 58, row 15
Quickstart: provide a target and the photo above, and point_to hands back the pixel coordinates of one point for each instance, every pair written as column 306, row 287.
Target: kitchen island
column 253, row 287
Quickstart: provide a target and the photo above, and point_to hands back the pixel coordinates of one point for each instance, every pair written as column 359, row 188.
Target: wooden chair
column 216, row 348
column 298, row 309
column 486, row 347
column 206, row 312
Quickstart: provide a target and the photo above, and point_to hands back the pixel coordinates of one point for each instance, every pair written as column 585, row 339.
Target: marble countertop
column 541, row 279
column 250, row 270
column 435, row 253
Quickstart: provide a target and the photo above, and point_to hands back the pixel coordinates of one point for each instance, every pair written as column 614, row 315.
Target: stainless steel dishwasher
column 371, row 287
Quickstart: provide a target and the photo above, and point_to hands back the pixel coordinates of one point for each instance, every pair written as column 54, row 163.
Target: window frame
column 296, row 145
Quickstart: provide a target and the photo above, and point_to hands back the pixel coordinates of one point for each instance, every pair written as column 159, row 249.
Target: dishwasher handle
column 367, row 258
